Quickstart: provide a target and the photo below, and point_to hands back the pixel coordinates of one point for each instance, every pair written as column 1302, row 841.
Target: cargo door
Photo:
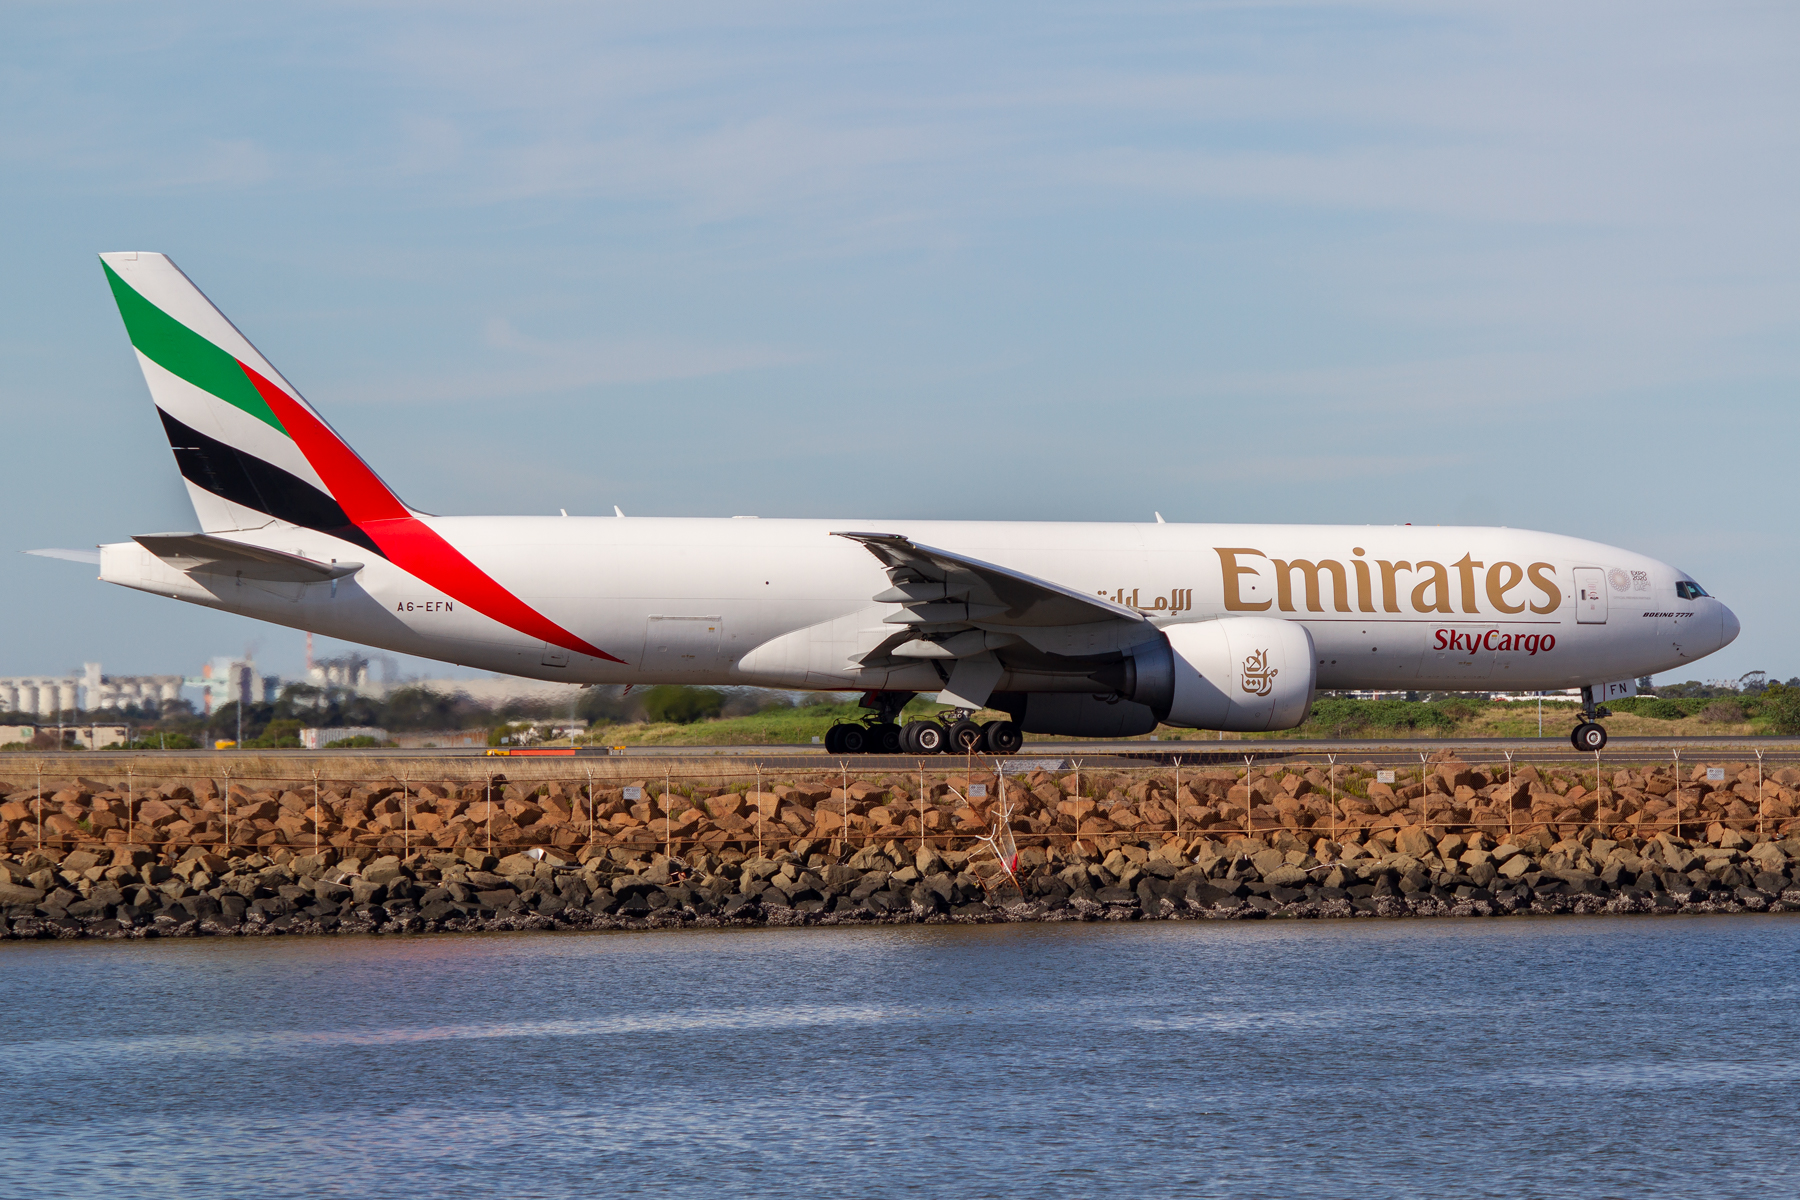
column 677, row 647
column 1590, row 596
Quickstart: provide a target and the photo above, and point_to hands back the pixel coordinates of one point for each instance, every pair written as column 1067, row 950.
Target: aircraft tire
column 966, row 738
column 925, row 737
column 1002, row 737
column 852, row 739
column 885, row 739
column 1588, row 737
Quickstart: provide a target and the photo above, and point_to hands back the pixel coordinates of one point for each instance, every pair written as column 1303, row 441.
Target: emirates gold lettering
column 1365, row 601
column 1434, row 587
column 1284, row 580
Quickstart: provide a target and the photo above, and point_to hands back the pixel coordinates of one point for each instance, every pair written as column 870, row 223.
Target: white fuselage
column 783, row 604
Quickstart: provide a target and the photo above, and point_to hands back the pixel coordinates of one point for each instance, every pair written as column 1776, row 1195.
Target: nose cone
column 1728, row 626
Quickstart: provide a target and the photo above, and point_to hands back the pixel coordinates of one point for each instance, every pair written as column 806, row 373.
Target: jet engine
column 1241, row 674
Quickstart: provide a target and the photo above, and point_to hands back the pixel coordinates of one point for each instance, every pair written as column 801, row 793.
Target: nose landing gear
column 1589, row 735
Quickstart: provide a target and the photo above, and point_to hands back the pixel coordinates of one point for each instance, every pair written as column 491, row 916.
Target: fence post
column 1332, row 771
column 1509, row 796
column 1597, row 787
column 1178, row 795
column 1248, row 798
column 1677, row 754
column 1759, row 794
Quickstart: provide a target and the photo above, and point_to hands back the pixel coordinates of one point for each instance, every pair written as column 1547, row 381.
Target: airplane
column 1071, row 629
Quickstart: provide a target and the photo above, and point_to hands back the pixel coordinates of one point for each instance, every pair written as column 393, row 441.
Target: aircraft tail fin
column 249, row 446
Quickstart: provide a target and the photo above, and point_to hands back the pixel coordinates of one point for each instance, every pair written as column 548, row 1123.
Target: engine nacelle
column 1240, row 674
column 1077, row 714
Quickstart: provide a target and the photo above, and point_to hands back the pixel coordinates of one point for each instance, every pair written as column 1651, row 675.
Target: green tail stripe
column 180, row 351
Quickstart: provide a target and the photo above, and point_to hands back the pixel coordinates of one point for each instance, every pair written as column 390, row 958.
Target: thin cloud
column 536, row 367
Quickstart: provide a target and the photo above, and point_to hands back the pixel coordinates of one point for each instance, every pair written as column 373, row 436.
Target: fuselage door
column 678, row 646
column 1590, row 596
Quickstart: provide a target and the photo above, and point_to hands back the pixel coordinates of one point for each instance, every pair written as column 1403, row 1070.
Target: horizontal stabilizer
column 202, row 552
column 90, row 557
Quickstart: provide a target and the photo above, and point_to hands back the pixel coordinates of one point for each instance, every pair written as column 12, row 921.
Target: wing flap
column 944, row 596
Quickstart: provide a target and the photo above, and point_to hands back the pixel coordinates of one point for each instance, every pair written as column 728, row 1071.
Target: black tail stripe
column 247, row 480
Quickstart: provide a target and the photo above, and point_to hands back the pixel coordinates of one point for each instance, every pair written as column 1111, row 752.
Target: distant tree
column 682, row 705
column 163, row 741
column 1722, row 712
column 1781, row 704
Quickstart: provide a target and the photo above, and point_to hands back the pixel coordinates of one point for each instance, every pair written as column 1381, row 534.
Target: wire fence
column 618, row 807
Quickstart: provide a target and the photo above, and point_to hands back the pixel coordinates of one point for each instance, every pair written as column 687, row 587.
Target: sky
column 1525, row 264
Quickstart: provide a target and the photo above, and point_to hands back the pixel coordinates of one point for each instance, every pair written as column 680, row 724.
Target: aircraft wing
column 954, row 607
column 206, row 554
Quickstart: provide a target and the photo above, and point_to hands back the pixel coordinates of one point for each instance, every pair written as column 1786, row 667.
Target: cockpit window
column 1687, row 589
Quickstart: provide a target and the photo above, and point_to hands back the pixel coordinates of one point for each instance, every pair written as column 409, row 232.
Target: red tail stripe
column 357, row 490
column 406, row 541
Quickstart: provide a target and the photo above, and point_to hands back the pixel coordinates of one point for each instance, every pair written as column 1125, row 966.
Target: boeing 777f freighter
column 1081, row 630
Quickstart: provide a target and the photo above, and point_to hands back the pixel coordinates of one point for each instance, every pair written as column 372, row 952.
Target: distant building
column 42, row 695
column 319, row 739
column 99, row 737
column 90, row 691
column 225, row 680
column 123, row 691
column 348, row 671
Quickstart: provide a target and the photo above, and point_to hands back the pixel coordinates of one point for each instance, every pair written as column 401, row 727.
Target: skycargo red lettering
column 1493, row 639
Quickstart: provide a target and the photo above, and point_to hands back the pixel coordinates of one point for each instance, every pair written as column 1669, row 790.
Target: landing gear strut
column 1589, row 735
column 879, row 733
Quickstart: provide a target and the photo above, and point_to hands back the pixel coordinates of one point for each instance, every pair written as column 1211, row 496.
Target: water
column 1563, row 1057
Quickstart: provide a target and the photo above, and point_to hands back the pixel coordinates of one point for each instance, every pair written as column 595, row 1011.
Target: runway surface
column 1047, row 755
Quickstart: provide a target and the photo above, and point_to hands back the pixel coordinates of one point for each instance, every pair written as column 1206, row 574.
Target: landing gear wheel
column 965, row 737
column 884, row 739
column 1002, row 737
column 846, row 739
column 924, row 737
column 1588, row 737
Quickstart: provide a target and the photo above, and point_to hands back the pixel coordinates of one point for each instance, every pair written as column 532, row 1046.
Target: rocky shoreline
column 187, row 858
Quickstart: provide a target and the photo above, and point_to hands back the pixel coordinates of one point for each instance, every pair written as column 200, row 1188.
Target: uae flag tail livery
column 257, row 457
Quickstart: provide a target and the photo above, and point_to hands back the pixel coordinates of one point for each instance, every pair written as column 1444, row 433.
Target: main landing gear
column 1589, row 735
column 961, row 736
column 879, row 734
column 882, row 734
